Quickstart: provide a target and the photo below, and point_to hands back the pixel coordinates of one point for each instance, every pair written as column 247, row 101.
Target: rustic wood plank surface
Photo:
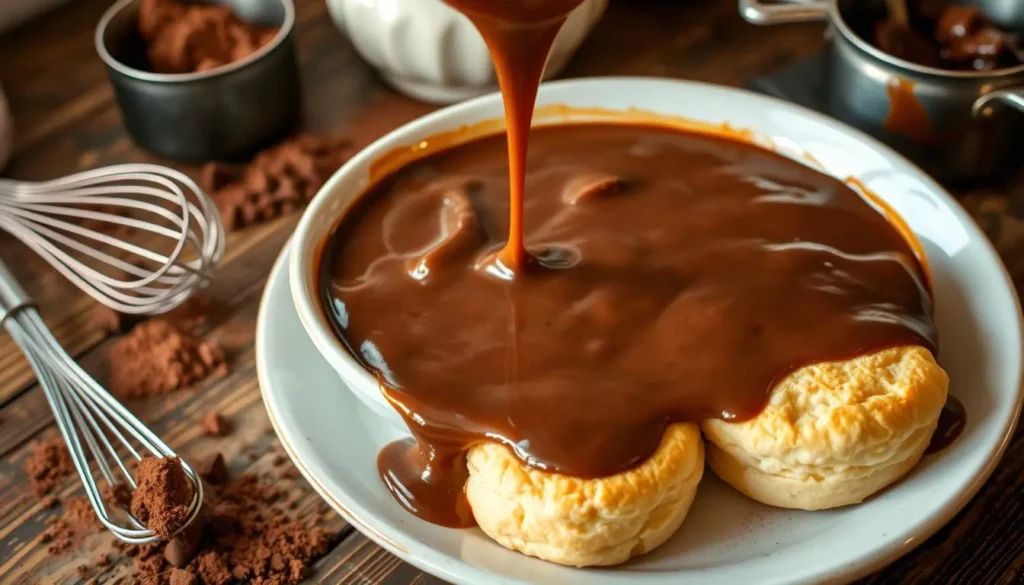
column 67, row 120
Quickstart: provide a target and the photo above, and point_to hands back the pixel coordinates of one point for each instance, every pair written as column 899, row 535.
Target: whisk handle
column 12, row 295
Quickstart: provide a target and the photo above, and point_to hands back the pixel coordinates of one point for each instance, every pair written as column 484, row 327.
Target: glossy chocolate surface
column 672, row 277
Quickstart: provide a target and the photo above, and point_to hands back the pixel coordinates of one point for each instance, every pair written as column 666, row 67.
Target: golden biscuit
column 583, row 522
column 834, row 433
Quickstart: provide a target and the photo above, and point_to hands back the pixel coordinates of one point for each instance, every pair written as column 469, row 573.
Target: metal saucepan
column 960, row 126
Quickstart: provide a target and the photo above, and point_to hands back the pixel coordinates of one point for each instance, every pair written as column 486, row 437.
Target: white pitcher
column 430, row 51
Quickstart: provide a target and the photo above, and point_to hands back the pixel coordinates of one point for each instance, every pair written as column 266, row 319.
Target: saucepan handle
column 757, row 12
column 1012, row 96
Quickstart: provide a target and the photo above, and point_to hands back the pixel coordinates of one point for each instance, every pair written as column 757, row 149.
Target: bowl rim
column 170, row 78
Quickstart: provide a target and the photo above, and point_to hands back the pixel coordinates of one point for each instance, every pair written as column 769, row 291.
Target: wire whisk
column 95, row 426
column 138, row 238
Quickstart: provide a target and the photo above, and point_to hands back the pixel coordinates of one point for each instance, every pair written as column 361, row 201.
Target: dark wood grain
column 67, row 120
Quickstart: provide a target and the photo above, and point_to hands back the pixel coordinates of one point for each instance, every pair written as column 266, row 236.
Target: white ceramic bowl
column 950, row 239
column 430, row 51
column 727, row 538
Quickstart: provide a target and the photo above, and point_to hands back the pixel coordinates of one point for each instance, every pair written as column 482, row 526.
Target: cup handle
column 1013, row 97
column 757, row 12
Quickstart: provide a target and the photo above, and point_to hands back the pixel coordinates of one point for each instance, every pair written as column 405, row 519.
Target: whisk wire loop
column 138, row 238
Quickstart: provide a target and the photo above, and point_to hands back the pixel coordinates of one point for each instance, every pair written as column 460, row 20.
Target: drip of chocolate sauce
column 951, row 423
column 907, row 115
column 676, row 277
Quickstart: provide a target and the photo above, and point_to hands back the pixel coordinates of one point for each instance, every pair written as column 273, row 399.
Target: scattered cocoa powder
column 48, row 502
column 248, row 538
column 185, row 38
column 48, row 465
column 80, row 515
column 118, row 495
column 215, row 425
column 78, row 518
column 244, row 533
column 191, row 315
column 83, row 571
column 277, row 181
column 156, row 357
column 161, row 500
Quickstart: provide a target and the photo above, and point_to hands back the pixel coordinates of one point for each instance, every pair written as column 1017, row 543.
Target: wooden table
column 67, row 120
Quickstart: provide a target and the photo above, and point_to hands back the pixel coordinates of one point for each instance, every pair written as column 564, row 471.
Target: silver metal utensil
column 138, row 238
column 99, row 431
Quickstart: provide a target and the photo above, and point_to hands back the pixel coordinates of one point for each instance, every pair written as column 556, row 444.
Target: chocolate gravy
column 674, row 277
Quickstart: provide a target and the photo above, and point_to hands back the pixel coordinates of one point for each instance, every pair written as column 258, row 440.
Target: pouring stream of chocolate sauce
column 519, row 36
column 670, row 277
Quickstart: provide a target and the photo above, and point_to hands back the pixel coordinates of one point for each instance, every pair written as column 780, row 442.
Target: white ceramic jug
column 428, row 50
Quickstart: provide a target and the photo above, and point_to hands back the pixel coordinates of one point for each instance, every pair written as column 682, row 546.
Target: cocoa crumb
column 161, row 500
column 83, row 571
column 279, row 180
column 118, row 495
column 101, row 561
column 156, row 357
column 183, row 577
column 215, row 425
column 214, row 176
column 48, row 465
column 213, row 569
column 214, row 469
column 107, row 320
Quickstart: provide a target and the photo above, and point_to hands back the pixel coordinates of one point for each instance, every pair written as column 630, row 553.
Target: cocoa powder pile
column 156, row 357
column 244, row 535
column 186, row 38
column 48, row 465
column 279, row 179
column 161, row 500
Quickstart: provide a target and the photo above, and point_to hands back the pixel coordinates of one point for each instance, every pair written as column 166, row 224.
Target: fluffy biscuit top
column 577, row 521
column 837, row 415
